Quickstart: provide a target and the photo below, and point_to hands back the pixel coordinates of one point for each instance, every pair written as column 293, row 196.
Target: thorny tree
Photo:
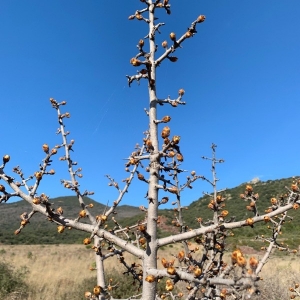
column 206, row 276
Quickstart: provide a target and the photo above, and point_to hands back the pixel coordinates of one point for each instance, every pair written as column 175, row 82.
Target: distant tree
column 158, row 165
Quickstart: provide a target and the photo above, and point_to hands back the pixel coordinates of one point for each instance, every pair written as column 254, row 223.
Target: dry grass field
column 58, row 271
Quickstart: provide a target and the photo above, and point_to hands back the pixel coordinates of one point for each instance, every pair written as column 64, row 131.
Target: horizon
column 167, row 205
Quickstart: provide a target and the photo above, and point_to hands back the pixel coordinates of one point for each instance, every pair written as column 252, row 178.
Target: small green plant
column 12, row 281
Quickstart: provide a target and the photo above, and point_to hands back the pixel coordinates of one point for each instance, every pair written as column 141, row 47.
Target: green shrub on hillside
column 12, row 283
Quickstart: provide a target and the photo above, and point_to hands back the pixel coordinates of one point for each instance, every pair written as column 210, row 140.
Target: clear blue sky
column 240, row 73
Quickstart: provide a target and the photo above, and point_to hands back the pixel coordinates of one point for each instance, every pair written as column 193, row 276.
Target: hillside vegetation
column 41, row 232
column 237, row 210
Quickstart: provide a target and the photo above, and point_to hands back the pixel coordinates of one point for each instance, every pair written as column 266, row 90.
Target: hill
column 41, row 232
column 237, row 209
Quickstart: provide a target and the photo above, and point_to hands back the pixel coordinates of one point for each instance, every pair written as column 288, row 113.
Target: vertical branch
column 100, row 268
column 149, row 289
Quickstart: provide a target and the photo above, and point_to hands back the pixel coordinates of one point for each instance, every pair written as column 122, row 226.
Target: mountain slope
column 41, row 231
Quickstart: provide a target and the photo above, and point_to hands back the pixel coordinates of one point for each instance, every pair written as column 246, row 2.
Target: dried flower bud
column 148, row 143
column 54, row 151
column 241, row 261
column 171, row 154
column 139, row 17
column 142, row 241
column 181, row 92
column 141, row 177
column 199, row 220
column 82, row 214
column 164, row 262
column 173, row 58
column 166, row 119
column 165, row 132
column 103, row 218
column 235, row 255
column 173, row 190
column 171, row 270
column 132, row 161
column 223, row 293
column 224, row 213
column 164, row 44
column 6, row 158
column 173, row 36
column 142, row 228
column 60, row 229
column 135, row 62
column 253, row 262
column 24, row 222
column 169, row 285
column 141, row 43
column 38, row 175
column 87, row 241
column 150, row 278
column 97, row 290
column 166, row 141
column 250, row 221
column 200, row 19
column 45, row 148
column 188, row 34
column 181, row 255
column 249, row 188
column 197, row 272
column 273, row 201
column 176, row 139
column 2, row 188
column 211, row 206
column 59, row 210
column 219, row 199
column 164, row 200
column 179, row 157
column 36, row 201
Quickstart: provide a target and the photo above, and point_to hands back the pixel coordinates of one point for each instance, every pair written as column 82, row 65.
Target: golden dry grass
column 55, row 270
